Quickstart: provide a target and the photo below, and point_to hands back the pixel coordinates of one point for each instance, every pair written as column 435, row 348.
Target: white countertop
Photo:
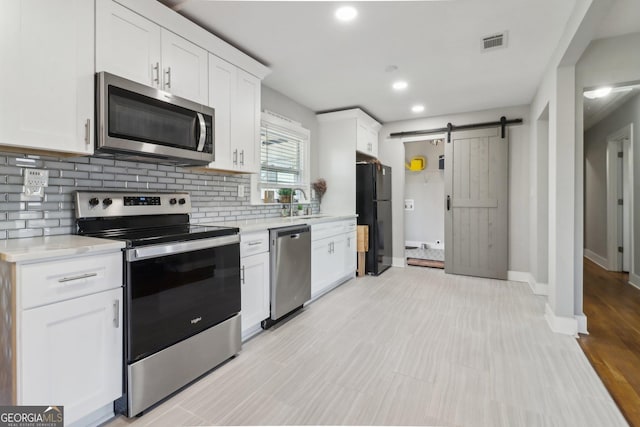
column 261, row 224
column 42, row 248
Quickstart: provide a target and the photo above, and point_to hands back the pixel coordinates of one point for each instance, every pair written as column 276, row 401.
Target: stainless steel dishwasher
column 290, row 275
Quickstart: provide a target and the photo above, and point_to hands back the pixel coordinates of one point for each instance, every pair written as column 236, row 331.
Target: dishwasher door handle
column 295, row 236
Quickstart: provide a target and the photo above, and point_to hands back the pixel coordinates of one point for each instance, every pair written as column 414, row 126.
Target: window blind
column 282, row 158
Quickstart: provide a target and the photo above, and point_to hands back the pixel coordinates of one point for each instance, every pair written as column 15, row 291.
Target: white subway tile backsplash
column 213, row 195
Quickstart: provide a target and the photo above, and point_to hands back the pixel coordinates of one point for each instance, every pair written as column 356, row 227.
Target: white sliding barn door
column 476, row 204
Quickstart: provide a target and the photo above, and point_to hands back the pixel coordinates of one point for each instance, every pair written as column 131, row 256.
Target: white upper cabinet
column 131, row 46
column 246, row 122
column 222, row 83
column 47, row 77
column 184, row 68
column 235, row 95
column 128, row 45
column 367, row 135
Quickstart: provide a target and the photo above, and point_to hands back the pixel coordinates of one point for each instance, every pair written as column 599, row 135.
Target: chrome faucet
column 293, row 191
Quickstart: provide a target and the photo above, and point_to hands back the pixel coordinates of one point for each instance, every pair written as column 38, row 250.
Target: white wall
column 560, row 91
column 391, row 152
column 425, row 223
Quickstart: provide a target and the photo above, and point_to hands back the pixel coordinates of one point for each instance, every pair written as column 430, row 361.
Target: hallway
column 612, row 307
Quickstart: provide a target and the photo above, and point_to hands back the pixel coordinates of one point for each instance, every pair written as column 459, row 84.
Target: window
column 284, row 159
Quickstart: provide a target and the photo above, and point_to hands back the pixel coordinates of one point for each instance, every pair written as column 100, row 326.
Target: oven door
column 176, row 290
column 139, row 120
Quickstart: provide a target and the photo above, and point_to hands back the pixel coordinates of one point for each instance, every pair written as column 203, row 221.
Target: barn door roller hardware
column 503, row 123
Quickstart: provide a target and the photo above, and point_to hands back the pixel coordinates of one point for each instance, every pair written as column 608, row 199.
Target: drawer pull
column 254, row 243
column 116, row 314
column 82, row 276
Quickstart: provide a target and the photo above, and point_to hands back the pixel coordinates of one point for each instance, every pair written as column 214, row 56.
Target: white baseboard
column 399, row 262
column 518, row 276
column 582, row 324
column 526, row 277
column 539, row 288
column 561, row 325
column 634, row 280
column 418, row 244
column 95, row 418
column 592, row 256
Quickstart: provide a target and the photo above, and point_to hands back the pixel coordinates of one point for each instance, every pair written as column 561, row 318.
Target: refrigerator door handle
column 448, row 202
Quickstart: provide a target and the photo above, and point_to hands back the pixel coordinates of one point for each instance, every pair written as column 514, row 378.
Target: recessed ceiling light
column 400, row 85
column 346, row 13
column 598, row 93
column 417, row 108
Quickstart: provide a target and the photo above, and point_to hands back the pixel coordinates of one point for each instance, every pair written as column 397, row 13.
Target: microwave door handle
column 203, row 132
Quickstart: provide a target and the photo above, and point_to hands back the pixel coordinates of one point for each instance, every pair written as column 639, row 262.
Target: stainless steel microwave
column 138, row 122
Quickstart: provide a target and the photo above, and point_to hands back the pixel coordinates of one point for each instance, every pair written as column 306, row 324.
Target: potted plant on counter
column 284, row 194
column 300, row 210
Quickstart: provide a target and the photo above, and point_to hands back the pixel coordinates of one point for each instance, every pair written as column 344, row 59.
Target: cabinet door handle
column 87, row 132
column 330, row 247
column 242, row 275
column 254, row 243
column 242, row 158
column 235, row 157
column 156, row 79
column 116, row 314
column 348, row 242
column 72, row 278
column 448, row 203
column 167, row 83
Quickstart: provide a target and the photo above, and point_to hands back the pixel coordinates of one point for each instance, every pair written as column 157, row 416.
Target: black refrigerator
column 373, row 206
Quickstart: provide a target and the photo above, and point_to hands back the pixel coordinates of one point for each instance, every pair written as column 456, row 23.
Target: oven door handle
column 156, row 251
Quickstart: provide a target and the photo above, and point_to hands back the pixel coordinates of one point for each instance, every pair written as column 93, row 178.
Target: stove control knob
column 182, row 201
column 93, row 201
column 172, row 201
column 107, row 202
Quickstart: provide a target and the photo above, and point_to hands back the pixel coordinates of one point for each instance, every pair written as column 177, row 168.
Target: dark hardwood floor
column 612, row 307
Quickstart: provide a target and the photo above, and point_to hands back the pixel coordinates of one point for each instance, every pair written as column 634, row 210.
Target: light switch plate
column 240, row 190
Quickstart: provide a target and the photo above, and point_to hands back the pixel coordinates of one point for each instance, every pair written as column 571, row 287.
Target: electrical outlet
column 36, row 177
column 408, row 205
column 240, row 190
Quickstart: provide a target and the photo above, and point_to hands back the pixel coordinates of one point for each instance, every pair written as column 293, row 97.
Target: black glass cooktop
column 142, row 230
column 166, row 234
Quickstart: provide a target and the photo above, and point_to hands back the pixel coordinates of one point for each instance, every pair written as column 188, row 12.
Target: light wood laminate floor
column 412, row 347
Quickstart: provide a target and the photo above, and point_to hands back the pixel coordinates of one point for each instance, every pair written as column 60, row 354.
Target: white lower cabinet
column 68, row 334
column 72, row 354
column 255, row 291
column 351, row 252
column 333, row 255
column 254, row 278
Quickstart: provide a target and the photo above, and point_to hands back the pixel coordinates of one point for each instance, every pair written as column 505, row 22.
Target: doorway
column 610, row 122
column 620, row 199
column 424, row 202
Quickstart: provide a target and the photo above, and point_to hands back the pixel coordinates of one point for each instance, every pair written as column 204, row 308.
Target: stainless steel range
column 182, row 289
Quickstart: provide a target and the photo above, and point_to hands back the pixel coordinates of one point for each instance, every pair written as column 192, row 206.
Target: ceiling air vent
column 495, row 41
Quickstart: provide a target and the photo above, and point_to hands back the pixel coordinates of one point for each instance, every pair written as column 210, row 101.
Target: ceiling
column 622, row 19
column 327, row 65
column 599, row 108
